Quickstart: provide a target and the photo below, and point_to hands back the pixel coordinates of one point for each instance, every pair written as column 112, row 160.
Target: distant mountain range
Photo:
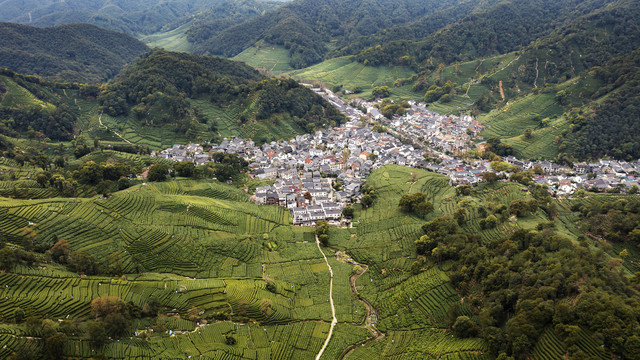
column 132, row 17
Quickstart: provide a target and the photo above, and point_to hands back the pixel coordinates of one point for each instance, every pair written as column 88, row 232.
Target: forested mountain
column 133, row 17
column 74, row 52
column 610, row 128
column 305, row 27
column 207, row 24
column 410, row 32
column 159, row 90
column 502, row 28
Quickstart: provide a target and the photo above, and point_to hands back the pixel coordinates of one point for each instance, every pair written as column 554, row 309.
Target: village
column 316, row 175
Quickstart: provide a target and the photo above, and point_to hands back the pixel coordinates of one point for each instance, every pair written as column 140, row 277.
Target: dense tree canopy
column 75, row 52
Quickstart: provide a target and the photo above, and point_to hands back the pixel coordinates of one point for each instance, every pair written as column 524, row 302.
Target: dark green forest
column 209, row 23
column 534, row 280
column 612, row 127
column 70, row 53
column 528, row 25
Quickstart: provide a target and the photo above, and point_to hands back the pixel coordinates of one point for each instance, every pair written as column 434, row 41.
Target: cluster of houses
column 190, row 152
column 316, row 175
column 450, row 134
column 601, row 176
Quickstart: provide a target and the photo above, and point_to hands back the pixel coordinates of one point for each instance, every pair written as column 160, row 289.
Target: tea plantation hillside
column 166, row 270
column 196, row 249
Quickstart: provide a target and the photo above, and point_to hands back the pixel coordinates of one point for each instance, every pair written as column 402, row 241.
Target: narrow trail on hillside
column 102, row 126
column 368, row 321
column 535, row 81
column 504, row 67
column 334, row 321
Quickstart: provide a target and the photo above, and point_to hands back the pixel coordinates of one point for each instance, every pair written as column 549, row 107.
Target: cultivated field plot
column 301, row 340
column 183, row 227
column 18, row 96
column 349, row 74
column 422, row 344
column 272, row 59
column 189, row 245
column 552, row 347
column 228, row 123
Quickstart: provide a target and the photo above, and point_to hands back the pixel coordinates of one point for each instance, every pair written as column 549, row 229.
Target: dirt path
column 334, row 321
column 501, row 90
column 368, row 321
column 504, row 67
column 536, row 79
column 102, row 126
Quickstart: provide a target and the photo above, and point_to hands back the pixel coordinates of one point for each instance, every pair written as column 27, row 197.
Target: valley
column 320, row 179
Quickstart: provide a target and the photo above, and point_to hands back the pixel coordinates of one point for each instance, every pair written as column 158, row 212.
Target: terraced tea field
column 201, row 246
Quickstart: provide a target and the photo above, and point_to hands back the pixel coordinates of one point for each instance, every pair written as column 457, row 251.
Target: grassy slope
column 174, row 40
column 349, row 74
column 19, row 97
column 272, row 59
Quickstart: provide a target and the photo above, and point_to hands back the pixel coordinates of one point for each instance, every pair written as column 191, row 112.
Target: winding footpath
column 334, row 321
column 102, row 126
column 368, row 322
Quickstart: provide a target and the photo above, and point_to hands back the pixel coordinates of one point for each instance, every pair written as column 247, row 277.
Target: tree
column 33, row 324
column 381, row 92
column 561, row 97
column 460, row 215
column 308, row 196
column 347, row 211
column 322, row 232
column 123, row 183
column 423, row 208
column 60, row 251
column 82, row 263
column 105, row 305
column 230, row 340
column 158, row 172
column 408, row 202
column 104, row 188
column 489, row 222
column 465, row 327
column 42, row 179
column 185, row 168
column 18, row 315
column 416, row 267
column 116, row 325
column 96, row 333
column 490, row 177
column 366, row 201
column 7, row 259
column 54, row 346
column 527, row 133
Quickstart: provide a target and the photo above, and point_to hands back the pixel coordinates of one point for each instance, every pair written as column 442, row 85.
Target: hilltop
column 189, row 93
column 163, row 99
column 71, row 53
